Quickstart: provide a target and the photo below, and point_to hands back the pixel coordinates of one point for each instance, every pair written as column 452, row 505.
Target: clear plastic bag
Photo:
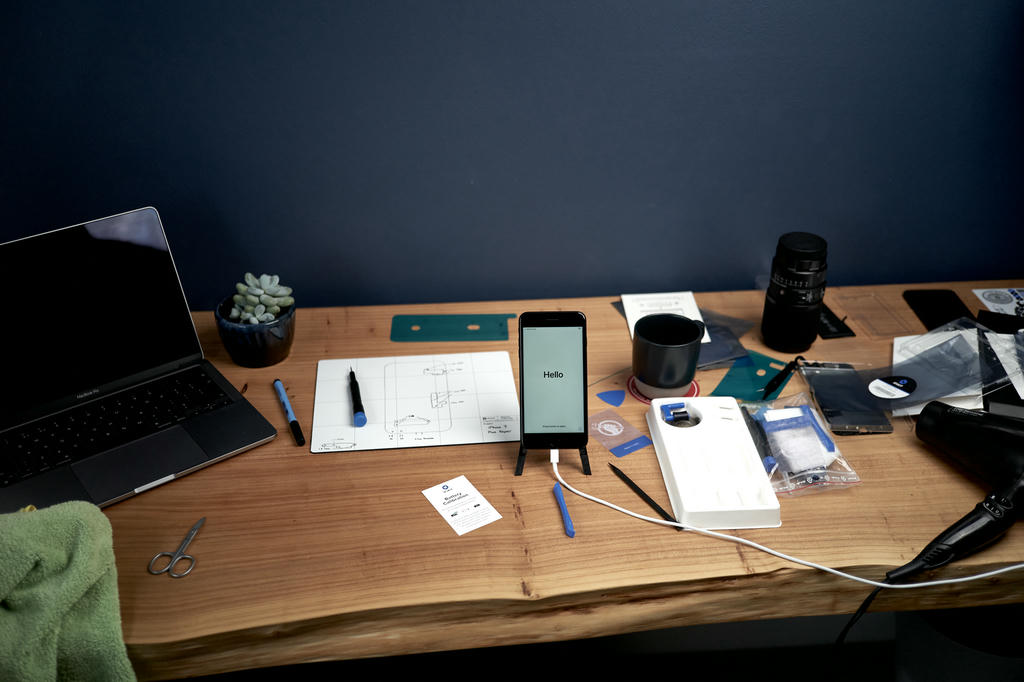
column 962, row 358
column 935, row 365
column 798, row 453
column 959, row 356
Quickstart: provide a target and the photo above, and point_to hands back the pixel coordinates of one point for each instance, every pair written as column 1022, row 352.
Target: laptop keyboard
column 106, row 423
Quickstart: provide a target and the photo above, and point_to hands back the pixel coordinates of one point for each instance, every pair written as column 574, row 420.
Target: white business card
column 461, row 505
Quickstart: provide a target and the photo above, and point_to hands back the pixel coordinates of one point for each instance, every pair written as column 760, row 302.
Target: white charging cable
column 769, row 550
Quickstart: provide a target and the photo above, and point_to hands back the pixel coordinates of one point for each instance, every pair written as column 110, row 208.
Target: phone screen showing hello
column 553, row 380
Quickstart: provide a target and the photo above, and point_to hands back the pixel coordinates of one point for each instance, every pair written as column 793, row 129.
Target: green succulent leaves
column 260, row 299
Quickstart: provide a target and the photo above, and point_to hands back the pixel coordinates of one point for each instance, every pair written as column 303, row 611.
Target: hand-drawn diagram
column 408, row 415
column 413, row 401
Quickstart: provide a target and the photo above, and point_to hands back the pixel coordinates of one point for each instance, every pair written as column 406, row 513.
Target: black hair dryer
column 990, row 446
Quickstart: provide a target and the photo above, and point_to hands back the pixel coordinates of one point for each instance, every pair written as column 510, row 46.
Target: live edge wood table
column 308, row 557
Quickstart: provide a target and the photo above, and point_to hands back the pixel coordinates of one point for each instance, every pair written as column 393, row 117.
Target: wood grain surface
column 308, row 557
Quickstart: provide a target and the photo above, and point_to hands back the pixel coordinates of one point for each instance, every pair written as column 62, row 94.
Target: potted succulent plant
column 257, row 322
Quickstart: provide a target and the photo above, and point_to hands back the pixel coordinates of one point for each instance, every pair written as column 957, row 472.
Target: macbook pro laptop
column 105, row 390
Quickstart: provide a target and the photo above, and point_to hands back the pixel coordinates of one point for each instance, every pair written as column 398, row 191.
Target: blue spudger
column 566, row 521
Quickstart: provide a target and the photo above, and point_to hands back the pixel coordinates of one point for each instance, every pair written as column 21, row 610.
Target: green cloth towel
column 59, row 612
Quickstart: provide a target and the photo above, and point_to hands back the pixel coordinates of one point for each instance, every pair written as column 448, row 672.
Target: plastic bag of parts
column 958, row 358
column 798, row 453
column 1007, row 367
column 1018, row 339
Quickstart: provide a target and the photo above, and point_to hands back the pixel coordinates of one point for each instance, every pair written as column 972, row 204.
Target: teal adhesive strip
column 450, row 327
column 746, row 378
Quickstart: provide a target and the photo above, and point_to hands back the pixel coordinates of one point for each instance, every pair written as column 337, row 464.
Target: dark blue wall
column 380, row 152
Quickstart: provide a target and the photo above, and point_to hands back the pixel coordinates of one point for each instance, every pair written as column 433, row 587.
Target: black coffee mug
column 665, row 351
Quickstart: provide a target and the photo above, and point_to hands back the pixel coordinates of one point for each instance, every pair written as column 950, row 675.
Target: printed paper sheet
column 416, row 401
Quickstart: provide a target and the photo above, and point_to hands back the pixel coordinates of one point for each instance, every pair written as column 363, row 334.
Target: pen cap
column 300, row 439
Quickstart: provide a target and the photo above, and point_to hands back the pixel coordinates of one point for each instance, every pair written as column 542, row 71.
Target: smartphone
column 936, row 307
column 843, row 399
column 553, row 380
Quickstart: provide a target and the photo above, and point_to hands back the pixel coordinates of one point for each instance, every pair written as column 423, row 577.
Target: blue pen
column 569, row 530
column 292, row 421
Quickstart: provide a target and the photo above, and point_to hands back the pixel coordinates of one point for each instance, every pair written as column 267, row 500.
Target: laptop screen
column 90, row 309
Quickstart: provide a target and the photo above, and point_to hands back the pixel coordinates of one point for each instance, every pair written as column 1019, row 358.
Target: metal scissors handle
column 178, row 555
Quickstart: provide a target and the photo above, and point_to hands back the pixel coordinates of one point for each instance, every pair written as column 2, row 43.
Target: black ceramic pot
column 255, row 345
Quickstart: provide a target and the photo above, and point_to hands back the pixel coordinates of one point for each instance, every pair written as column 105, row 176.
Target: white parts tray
column 712, row 470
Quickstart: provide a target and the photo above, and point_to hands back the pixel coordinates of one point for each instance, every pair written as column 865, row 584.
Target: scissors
column 178, row 555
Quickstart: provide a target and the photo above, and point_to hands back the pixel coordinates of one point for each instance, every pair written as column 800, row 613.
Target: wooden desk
column 310, row 557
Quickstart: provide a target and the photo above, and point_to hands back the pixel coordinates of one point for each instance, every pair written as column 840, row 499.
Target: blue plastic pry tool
column 614, row 398
column 566, row 520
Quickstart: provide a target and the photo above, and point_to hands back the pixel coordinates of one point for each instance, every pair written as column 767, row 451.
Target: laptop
column 106, row 393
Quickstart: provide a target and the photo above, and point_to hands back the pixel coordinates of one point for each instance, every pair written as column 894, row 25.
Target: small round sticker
column 892, row 388
column 610, row 427
column 997, row 296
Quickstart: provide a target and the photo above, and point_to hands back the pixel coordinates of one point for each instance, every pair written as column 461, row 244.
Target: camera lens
column 792, row 304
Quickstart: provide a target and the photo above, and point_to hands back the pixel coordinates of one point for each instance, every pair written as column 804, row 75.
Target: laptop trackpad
column 52, row 487
column 113, row 474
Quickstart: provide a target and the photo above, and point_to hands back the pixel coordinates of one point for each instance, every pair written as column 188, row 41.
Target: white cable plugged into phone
column 769, row 550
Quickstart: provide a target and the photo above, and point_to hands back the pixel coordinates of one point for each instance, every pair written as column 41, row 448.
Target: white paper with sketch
column 416, row 401
column 680, row 302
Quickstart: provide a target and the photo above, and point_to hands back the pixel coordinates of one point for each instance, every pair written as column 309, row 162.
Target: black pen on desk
column 292, row 421
column 358, row 415
column 643, row 496
column 779, row 378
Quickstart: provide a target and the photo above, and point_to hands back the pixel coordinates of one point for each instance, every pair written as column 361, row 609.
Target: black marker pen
column 289, row 413
column 358, row 415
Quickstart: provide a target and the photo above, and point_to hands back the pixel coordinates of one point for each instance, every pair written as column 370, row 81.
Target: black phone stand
column 522, row 460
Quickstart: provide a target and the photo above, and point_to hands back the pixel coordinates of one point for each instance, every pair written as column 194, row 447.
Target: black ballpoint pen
column 643, row 496
column 358, row 415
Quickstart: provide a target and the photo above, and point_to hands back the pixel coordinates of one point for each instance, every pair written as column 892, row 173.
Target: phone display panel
column 553, row 379
column 843, row 399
